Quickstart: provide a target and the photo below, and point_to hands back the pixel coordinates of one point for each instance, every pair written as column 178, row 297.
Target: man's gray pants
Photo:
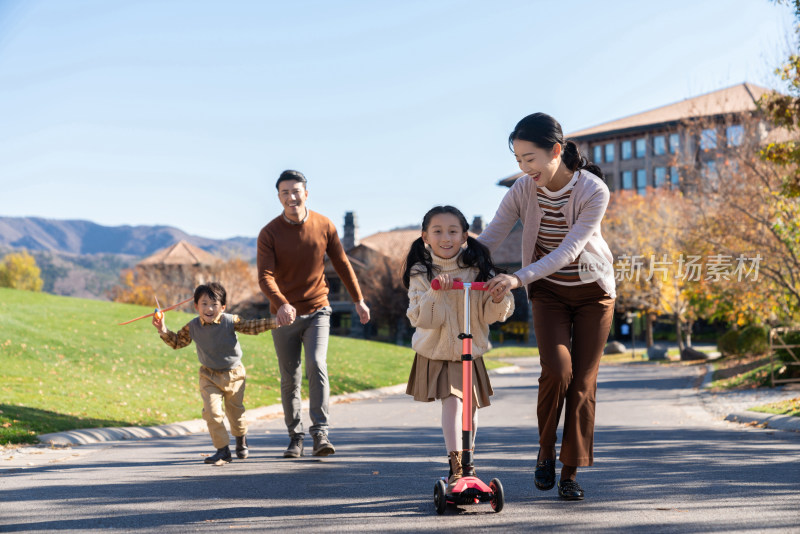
column 309, row 332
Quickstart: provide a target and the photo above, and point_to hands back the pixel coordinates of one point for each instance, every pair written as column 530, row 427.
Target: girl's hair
column 544, row 131
column 475, row 255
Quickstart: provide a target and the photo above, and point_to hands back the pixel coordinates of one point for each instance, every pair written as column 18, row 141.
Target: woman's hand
column 502, row 284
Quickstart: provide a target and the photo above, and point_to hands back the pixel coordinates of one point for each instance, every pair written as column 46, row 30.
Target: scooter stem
column 466, row 389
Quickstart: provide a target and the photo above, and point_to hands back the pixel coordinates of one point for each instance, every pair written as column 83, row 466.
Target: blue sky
column 184, row 112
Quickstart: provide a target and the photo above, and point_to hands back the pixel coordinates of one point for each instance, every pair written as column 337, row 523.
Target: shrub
column 753, row 340
column 728, row 343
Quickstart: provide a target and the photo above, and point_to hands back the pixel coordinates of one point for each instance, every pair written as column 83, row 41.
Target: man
column 291, row 256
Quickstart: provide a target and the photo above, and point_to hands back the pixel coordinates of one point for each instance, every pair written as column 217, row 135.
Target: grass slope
column 67, row 364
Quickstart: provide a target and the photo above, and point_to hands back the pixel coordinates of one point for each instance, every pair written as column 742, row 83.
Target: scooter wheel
column 440, row 497
column 498, row 500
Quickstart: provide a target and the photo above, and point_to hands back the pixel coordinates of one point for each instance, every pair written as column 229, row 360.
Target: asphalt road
column 662, row 464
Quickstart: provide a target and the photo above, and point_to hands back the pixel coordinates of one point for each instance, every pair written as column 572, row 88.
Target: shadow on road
column 390, row 472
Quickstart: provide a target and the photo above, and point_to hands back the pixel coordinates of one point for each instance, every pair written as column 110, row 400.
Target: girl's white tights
column 451, row 423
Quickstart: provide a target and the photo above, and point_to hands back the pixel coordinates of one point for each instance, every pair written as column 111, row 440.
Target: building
column 383, row 248
column 651, row 148
column 173, row 272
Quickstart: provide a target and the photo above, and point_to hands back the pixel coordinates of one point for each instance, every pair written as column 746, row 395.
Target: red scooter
column 469, row 489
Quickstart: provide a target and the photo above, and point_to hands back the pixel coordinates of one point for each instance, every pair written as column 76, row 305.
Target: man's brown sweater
column 291, row 262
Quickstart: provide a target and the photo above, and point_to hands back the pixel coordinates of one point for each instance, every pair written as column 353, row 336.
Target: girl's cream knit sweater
column 438, row 316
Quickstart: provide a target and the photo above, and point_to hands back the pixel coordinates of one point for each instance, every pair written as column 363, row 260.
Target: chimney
column 477, row 225
column 350, row 239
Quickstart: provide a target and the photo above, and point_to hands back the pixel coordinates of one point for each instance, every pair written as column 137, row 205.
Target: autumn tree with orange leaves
column 649, row 237
column 175, row 283
column 743, row 215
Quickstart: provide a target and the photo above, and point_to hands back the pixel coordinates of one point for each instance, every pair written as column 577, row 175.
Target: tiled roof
column 393, row 244
column 735, row 99
column 181, row 253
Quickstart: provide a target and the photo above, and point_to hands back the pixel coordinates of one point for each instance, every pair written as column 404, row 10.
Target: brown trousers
column 571, row 325
column 223, row 394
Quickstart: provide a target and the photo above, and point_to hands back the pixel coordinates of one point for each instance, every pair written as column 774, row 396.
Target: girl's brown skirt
column 437, row 379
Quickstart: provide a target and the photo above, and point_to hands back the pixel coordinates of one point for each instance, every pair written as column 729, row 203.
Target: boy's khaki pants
column 223, row 394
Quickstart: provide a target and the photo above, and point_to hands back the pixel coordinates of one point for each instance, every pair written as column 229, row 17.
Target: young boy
column 222, row 375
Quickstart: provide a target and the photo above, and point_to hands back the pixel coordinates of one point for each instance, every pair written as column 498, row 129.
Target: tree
column 238, row 277
column 173, row 283
column 385, row 294
column 19, row 271
column 132, row 290
column 744, row 217
column 648, row 237
column 783, row 110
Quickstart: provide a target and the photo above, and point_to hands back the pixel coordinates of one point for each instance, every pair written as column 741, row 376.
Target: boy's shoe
column 295, row 448
column 241, row 447
column 322, row 446
column 223, row 454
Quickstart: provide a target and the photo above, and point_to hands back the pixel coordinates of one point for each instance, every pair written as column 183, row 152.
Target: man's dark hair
column 287, row 175
column 212, row 290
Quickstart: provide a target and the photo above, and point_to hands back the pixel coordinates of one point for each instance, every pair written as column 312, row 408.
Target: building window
column 735, row 134
column 641, row 147
column 708, row 139
column 641, row 181
column 609, row 152
column 710, row 176
column 659, row 176
column 598, row 154
column 659, row 145
column 627, row 150
column 674, row 177
column 674, row 143
column 627, row 180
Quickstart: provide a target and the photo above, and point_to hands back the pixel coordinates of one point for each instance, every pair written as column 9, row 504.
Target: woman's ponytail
column 574, row 160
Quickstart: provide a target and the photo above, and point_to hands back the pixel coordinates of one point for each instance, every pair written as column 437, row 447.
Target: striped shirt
column 552, row 230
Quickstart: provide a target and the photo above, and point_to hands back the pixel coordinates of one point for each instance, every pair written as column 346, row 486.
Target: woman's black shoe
column 545, row 475
column 570, row 490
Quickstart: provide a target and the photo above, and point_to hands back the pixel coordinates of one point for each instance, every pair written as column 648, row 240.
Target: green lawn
column 787, row 407
column 67, row 364
column 509, row 352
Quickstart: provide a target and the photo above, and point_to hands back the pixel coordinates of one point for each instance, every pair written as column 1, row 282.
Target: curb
column 100, row 435
column 772, row 421
column 787, row 423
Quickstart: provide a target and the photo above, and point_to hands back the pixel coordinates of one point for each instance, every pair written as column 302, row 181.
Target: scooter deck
column 469, row 490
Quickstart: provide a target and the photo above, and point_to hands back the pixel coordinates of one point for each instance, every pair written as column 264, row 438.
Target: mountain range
column 85, row 237
column 84, row 259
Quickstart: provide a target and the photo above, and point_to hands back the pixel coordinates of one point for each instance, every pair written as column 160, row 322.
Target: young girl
column 568, row 270
column 447, row 253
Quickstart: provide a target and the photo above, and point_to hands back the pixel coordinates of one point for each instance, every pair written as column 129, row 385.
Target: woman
column 568, row 270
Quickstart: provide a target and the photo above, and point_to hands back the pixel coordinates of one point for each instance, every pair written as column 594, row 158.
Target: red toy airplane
column 159, row 311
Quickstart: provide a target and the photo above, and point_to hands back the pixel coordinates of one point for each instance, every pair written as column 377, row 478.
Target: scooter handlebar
column 476, row 286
